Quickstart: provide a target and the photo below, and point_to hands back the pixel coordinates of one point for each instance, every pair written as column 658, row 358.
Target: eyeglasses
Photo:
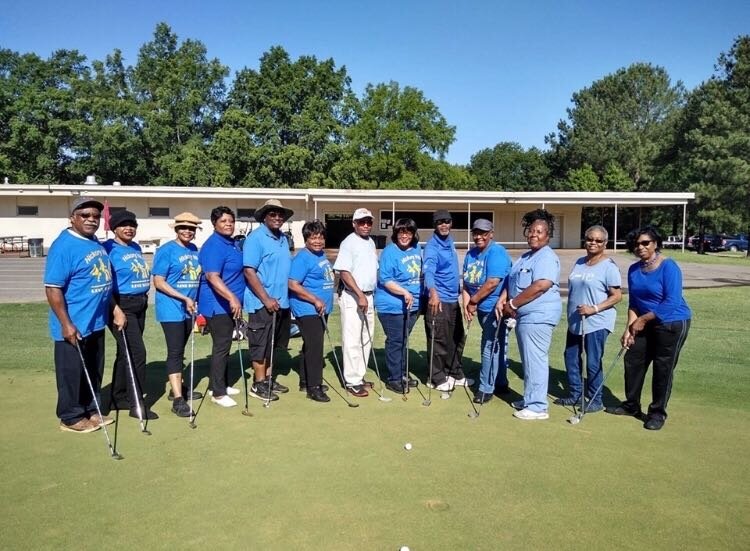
column 275, row 214
column 89, row 214
column 184, row 228
column 644, row 243
column 364, row 222
column 591, row 240
column 443, row 221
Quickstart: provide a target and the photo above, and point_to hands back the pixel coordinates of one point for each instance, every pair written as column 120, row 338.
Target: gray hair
column 597, row 228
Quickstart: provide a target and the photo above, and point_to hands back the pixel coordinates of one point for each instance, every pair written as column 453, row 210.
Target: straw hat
column 186, row 219
column 272, row 204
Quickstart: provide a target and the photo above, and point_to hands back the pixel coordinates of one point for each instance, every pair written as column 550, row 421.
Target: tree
column 583, row 179
column 508, row 167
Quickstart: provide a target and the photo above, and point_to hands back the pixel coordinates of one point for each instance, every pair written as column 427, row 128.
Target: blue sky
column 498, row 71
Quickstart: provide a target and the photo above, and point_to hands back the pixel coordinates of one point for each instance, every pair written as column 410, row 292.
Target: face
column 363, row 226
column 645, row 247
column 225, row 225
column 125, row 232
column 316, row 242
column 595, row 242
column 537, row 236
column 404, row 237
column 185, row 234
column 274, row 219
column 482, row 238
column 443, row 227
column 86, row 221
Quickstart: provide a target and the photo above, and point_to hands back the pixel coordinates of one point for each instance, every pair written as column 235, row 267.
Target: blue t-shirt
column 532, row 266
column 403, row 268
column 269, row 255
column 659, row 291
column 492, row 262
column 315, row 274
column 130, row 272
column 180, row 267
column 440, row 268
column 80, row 267
column 589, row 285
column 221, row 255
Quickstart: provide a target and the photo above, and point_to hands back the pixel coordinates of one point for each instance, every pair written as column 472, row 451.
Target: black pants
column 261, row 331
column 177, row 334
column 311, row 359
column 74, row 399
column 122, row 393
column 449, row 342
column 221, row 327
column 658, row 344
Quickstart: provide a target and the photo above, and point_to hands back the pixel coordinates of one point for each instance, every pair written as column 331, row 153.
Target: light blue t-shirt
column 221, row 255
column 403, row 268
column 130, row 272
column 530, row 267
column 80, row 267
column 269, row 255
column 589, row 285
column 180, row 267
column 315, row 274
column 492, row 262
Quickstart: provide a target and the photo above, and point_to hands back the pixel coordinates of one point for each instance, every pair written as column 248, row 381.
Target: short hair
column 600, row 229
column 405, row 224
column 313, row 227
column 535, row 216
column 218, row 212
column 653, row 234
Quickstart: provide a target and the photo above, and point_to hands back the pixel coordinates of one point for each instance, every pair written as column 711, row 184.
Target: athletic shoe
column 529, row 415
column 230, row 391
column 99, row 420
column 397, row 387
column 303, row 388
column 196, row 395
column 181, row 408
column 444, row 387
column 413, row 383
column 619, row 410
column 147, row 414
column 260, row 390
column 317, row 395
column 482, row 397
column 279, row 388
column 653, row 423
column 567, row 401
column 593, row 408
column 518, row 404
column 366, row 384
column 357, row 390
column 225, row 401
column 464, row 381
column 83, row 425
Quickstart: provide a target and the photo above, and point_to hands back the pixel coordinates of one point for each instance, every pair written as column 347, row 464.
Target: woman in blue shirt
column 222, row 287
column 657, row 326
column 397, row 299
column 176, row 273
column 533, row 299
column 311, row 297
column 131, row 283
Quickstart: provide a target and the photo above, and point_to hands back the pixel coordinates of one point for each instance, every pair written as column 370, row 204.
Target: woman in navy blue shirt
column 657, row 326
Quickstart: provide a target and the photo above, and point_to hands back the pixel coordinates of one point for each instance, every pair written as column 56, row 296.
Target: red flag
column 105, row 215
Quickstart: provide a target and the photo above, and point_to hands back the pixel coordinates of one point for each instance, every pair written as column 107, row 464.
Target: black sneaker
column 482, row 397
column 181, row 408
column 260, row 390
column 196, row 395
column 653, row 423
column 147, row 414
column 278, row 387
column 303, row 388
column 568, row 401
column 317, row 394
column 619, row 410
column 396, row 386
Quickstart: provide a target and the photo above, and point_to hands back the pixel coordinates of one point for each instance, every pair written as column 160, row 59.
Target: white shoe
column 224, row 401
column 231, row 391
column 518, row 404
column 461, row 382
column 529, row 415
column 447, row 386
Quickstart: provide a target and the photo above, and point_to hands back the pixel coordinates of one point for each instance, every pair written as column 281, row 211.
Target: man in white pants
column 357, row 266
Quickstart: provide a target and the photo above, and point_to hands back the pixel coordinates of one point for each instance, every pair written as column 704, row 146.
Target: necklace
column 645, row 264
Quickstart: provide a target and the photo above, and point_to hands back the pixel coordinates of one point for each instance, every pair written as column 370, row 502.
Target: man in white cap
column 357, row 266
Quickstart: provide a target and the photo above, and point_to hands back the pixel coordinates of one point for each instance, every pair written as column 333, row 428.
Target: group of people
column 91, row 286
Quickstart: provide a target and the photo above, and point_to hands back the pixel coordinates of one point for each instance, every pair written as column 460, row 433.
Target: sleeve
column 612, row 277
column 548, row 267
column 56, row 272
column 429, row 265
column 672, row 287
column 299, row 268
column 498, row 263
column 252, row 252
column 387, row 270
column 344, row 259
column 161, row 262
column 210, row 258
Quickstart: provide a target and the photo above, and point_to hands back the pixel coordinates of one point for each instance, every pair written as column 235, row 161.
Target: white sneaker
column 529, row 415
column 231, row 391
column 224, row 401
column 447, row 386
column 461, row 382
column 518, row 404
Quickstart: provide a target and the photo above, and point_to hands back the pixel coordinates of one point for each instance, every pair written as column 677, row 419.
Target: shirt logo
column 191, row 272
column 140, row 269
column 474, row 273
column 101, row 270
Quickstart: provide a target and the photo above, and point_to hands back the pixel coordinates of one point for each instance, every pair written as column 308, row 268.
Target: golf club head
column 404, row 398
column 192, row 425
column 426, row 403
column 146, row 432
column 267, row 405
column 472, row 414
column 445, row 395
column 117, row 456
column 246, row 413
column 574, row 420
column 352, row 405
column 385, row 398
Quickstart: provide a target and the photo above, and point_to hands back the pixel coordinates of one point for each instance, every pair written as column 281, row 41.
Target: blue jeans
column 534, row 340
column 396, row 329
column 594, row 348
column 494, row 353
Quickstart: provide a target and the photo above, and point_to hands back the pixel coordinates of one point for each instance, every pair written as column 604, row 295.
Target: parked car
column 734, row 243
column 710, row 242
column 673, row 242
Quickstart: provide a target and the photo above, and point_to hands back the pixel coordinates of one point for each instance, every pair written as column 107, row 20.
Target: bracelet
column 596, row 308
column 512, row 306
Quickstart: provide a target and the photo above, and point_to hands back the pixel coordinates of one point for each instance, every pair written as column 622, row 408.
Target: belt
column 367, row 293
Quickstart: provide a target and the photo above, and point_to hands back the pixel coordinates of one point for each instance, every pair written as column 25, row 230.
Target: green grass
column 725, row 257
column 302, row 475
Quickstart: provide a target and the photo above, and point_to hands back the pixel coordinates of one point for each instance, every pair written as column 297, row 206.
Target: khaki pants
column 355, row 340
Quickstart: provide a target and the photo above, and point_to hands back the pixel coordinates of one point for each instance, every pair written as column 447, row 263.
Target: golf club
column 138, row 397
column 584, row 365
column 344, row 398
column 408, row 378
column 472, row 414
column 426, row 403
column 246, row 411
column 575, row 419
column 338, row 366
column 113, row 453
column 269, row 371
column 381, row 395
column 191, row 421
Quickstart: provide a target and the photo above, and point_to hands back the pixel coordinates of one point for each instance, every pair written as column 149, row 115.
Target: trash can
column 36, row 247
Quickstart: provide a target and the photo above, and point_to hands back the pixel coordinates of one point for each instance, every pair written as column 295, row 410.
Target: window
column 158, row 212
column 27, row 210
column 424, row 218
column 245, row 214
column 113, row 210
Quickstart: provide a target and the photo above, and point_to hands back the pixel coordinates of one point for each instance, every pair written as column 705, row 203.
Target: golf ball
column 407, row 447
column 403, row 548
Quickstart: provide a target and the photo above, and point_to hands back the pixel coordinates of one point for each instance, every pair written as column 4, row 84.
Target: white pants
column 355, row 340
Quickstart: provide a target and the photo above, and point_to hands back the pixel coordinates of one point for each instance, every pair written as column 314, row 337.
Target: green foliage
column 508, row 167
column 583, row 179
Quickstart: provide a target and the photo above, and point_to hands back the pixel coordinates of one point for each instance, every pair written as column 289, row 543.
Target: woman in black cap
column 130, row 284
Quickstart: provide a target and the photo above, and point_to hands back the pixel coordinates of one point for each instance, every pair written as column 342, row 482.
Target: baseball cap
column 359, row 214
column 85, row 202
column 482, row 224
column 441, row 214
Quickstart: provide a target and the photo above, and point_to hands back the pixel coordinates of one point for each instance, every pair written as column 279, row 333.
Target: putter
column 136, row 394
column 584, row 365
column 338, row 366
column 113, row 453
column 381, row 395
column 191, row 421
column 428, row 401
column 475, row 413
column 408, row 323
column 575, row 419
column 246, row 411
column 269, row 372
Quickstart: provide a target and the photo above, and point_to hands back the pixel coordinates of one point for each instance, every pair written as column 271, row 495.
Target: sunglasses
column 93, row 215
column 364, row 222
column 443, row 221
column 598, row 241
column 644, row 243
column 275, row 214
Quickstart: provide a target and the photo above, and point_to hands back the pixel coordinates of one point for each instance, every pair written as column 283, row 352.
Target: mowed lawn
column 303, row 475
